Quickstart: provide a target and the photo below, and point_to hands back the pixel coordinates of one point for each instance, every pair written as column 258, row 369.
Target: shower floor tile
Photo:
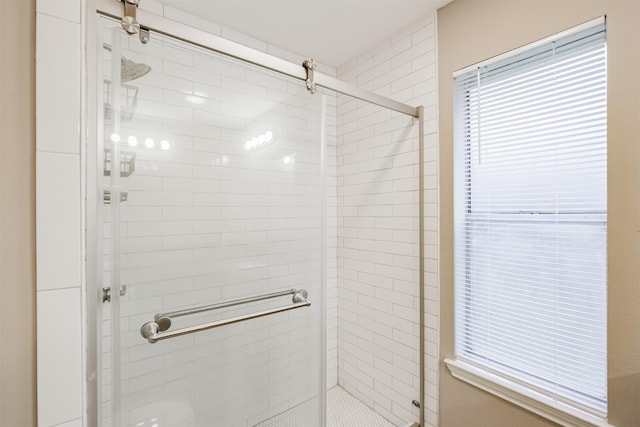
column 343, row 410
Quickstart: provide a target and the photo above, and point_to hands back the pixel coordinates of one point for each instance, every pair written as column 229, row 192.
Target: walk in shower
column 211, row 251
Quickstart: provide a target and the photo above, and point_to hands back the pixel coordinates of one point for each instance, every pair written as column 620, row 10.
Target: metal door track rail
column 194, row 36
column 154, row 331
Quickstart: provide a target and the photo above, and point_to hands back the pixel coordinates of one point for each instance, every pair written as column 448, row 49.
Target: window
column 531, row 219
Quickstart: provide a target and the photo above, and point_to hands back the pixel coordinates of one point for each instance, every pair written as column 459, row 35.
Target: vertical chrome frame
column 421, row 255
column 91, row 219
column 194, row 36
column 91, row 160
column 115, row 225
column 323, row 267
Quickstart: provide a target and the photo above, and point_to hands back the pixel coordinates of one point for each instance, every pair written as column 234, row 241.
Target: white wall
column 58, row 214
column 378, row 264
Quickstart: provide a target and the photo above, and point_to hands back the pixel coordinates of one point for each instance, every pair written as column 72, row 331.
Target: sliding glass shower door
column 212, row 202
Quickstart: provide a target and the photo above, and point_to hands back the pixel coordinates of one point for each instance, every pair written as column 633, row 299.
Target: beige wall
column 472, row 30
column 17, row 214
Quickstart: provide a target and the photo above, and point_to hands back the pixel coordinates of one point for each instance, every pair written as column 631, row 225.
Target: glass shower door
column 212, row 193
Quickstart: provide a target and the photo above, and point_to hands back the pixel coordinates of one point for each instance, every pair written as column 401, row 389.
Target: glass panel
column 218, row 197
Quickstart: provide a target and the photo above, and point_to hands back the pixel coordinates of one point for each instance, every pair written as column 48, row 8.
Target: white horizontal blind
column 531, row 218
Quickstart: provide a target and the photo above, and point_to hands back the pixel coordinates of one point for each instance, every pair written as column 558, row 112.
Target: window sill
column 524, row 397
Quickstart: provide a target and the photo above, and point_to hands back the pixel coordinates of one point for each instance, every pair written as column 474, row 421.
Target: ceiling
column 331, row 31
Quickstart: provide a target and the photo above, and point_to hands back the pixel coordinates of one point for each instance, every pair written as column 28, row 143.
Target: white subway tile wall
column 377, row 198
column 64, row 9
column 60, row 328
column 75, row 423
column 59, row 247
column 60, row 347
column 58, row 56
column 208, row 218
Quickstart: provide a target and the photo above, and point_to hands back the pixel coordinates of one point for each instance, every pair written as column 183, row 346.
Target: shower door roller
column 130, row 23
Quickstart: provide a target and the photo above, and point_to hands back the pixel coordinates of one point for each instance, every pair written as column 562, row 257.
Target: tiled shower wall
column 60, row 285
column 378, row 263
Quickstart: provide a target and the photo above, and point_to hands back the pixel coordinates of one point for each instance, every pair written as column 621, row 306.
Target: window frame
column 501, row 384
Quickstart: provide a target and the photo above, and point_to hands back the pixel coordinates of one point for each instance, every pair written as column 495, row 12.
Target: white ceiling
column 331, row 31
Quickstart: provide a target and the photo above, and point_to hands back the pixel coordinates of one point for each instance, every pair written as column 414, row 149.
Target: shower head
column 130, row 70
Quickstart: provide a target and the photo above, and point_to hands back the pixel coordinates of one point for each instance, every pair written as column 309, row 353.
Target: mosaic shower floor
column 343, row 410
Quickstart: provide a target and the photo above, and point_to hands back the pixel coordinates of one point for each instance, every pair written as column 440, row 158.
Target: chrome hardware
column 243, row 53
column 106, row 295
column 152, row 331
column 299, row 296
column 164, row 319
column 144, row 35
column 236, row 50
column 310, row 65
column 129, row 22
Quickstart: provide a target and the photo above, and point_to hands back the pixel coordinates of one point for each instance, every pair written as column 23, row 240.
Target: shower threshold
column 343, row 410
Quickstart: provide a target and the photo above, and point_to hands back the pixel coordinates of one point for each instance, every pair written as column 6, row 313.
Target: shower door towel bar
column 154, row 331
